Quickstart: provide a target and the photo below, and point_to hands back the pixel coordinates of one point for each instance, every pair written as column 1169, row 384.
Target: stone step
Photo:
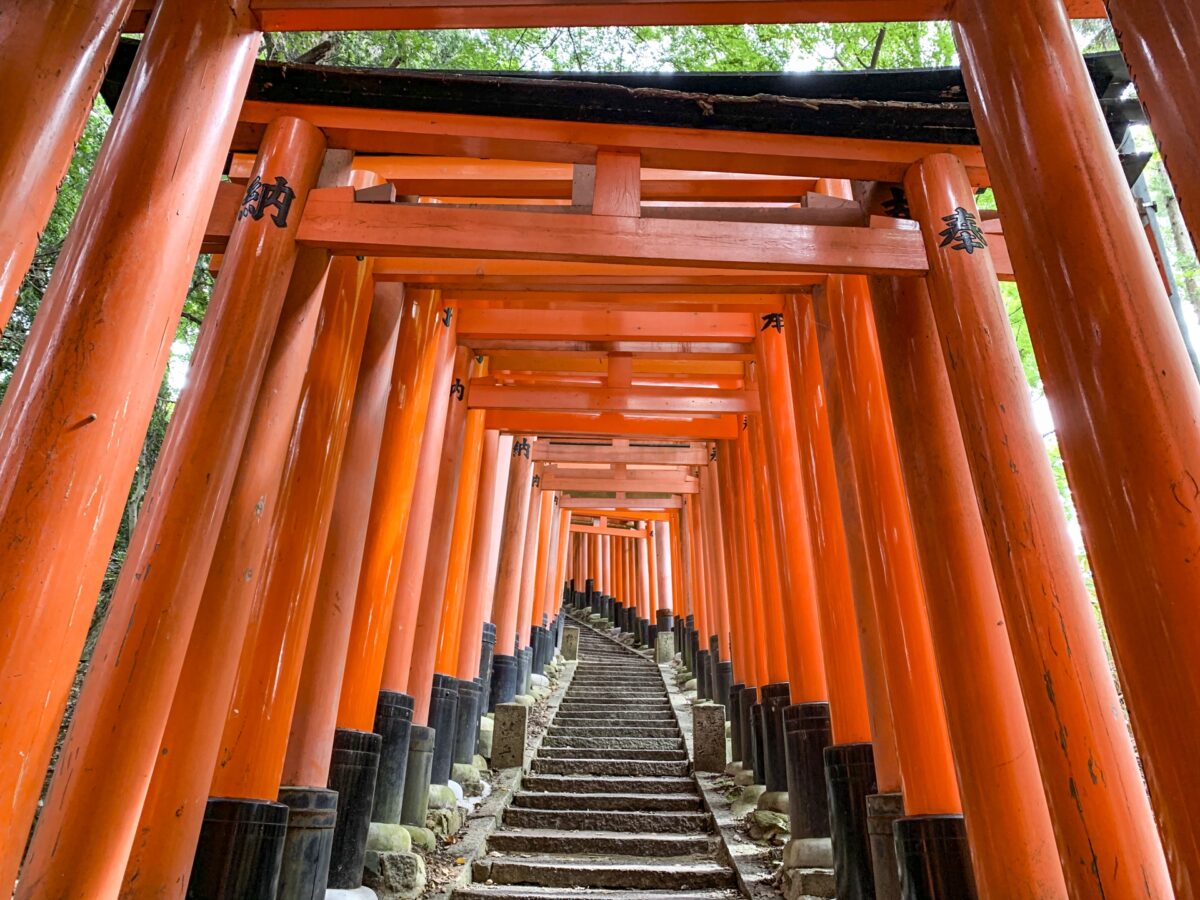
column 635, row 874
column 671, row 822
column 528, row 892
column 600, row 731
column 611, row 784
column 589, row 695
column 567, row 717
column 615, row 753
column 601, row 802
column 641, row 768
column 614, row 743
column 537, row 840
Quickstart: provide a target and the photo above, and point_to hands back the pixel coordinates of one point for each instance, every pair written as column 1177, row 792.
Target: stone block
column 484, row 743
column 775, row 801
column 441, row 797
column 808, row 853
column 708, row 734
column 422, row 838
column 664, row 647
column 444, row 822
column 767, row 826
column 570, row 642
column 510, row 736
column 466, row 775
column 524, row 700
column 387, row 838
column 394, row 876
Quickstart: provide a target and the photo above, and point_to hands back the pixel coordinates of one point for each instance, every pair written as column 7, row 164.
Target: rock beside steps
column 610, row 809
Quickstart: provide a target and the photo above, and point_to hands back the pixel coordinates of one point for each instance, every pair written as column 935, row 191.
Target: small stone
column 744, row 778
column 468, row 777
column 733, row 769
column 422, row 838
column 444, row 822
column 768, row 826
column 511, row 736
column 708, row 731
column 479, row 762
column 387, row 838
column 483, row 743
column 808, row 853
column 690, row 685
column 775, row 801
column 539, row 680
column 441, row 797
column 394, row 876
column 540, row 693
column 524, row 700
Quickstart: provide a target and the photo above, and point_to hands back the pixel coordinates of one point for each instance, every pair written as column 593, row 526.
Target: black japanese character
column 963, row 232
column 773, row 320
column 261, row 196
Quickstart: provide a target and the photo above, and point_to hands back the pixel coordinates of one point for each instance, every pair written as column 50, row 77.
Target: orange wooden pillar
column 720, row 648
column 507, row 602
column 533, row 578
column 756, row 489
column 417, row 352
column 664, row 545
column 310, row 739
column 743, row 624
column 914, row 692
column 400, row 642
column 53, row 56
column 536, row 532
column 1158, row 41
column 1046, row 605
column 72, row 425
column 1012, row 842
column 159, row 592
column 485, row 553
column 1120, row 384
column 463, row 621
column 438, row 696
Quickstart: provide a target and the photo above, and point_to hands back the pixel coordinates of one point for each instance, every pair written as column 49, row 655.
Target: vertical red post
column 53, row 56
column 417, row 352
column 1012, row 841
column 1046, row 604
column 507, row 601
column 119, row 720
column 73, row 424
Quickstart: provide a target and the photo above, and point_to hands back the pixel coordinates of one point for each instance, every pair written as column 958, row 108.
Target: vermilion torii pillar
column 1012, row 841
column 914, row 692
column 72, row 425
column 506, row 605
column 52, row 59
column 123, row 709
column 757, row 493
column 417, row 352
column 1159, row 41
column 1120, row 384
column 1112, row 846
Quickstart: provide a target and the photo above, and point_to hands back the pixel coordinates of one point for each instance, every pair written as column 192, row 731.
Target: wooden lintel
column 634, row 505
column 632, row 399
column 549, row 451
column 708, row 428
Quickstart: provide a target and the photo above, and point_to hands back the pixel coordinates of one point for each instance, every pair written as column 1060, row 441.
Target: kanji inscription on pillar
column 261, row 197
column 962, row 232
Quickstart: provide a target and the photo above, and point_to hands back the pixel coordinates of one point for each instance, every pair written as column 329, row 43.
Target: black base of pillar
column 664, row 619
column 504, row 681
column 416, row 781
column 393, row 722
column 651, row 635
column 934, row 858
column 524, row 669
column 487, row 652
column 714, row 656
column 724, row 681
column 308, row 847
column 806, row 734
column 352, row 771
column 758, row 742
column 882, row 812
column 775, row 699
column 703, row 683
column 735, row 720
column 693, row 649
column 443, row 719
column 746, row 702
column 467, row 729
column 850, row 779
column 620, row 615
column 240, row 850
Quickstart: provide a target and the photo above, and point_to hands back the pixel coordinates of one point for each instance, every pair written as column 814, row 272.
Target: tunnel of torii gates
column 714, row 355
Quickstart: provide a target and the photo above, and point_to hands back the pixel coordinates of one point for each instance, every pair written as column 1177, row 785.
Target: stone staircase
column 610, row 808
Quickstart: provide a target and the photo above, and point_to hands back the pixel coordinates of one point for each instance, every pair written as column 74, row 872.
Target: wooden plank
column 605, row 325
column 633, row 399
column 616, row 507
column 549, row 451
column 711, row 428
column 362, row 229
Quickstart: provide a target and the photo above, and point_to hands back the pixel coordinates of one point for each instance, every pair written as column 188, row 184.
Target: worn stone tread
column 609, row 843
column 591, row 784
column 689, row 802
column 561, row 871
column 510, row 892
column 608, row 820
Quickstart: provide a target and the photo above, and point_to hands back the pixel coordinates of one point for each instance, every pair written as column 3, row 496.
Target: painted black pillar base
column 589, row 593
column 664, row 619
column 620, row 615
column 806, row 733
column 775, row 699
column 308, row 847
column 723, row 683
column 467, row 729
column 416, row 782
column 352, row 771
column 850, row 779
column 703, row 691
column 393, row 722
column 714, row 657
column 487, row 652
column 934, row 858
column 758, row 742
column 524, row 669
column 693, row 649
column 443, row 719
column 651, row 635
column 882, row 812
column 240, row 850
column 746, row 702
column 504, row 681
column 735, row 720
